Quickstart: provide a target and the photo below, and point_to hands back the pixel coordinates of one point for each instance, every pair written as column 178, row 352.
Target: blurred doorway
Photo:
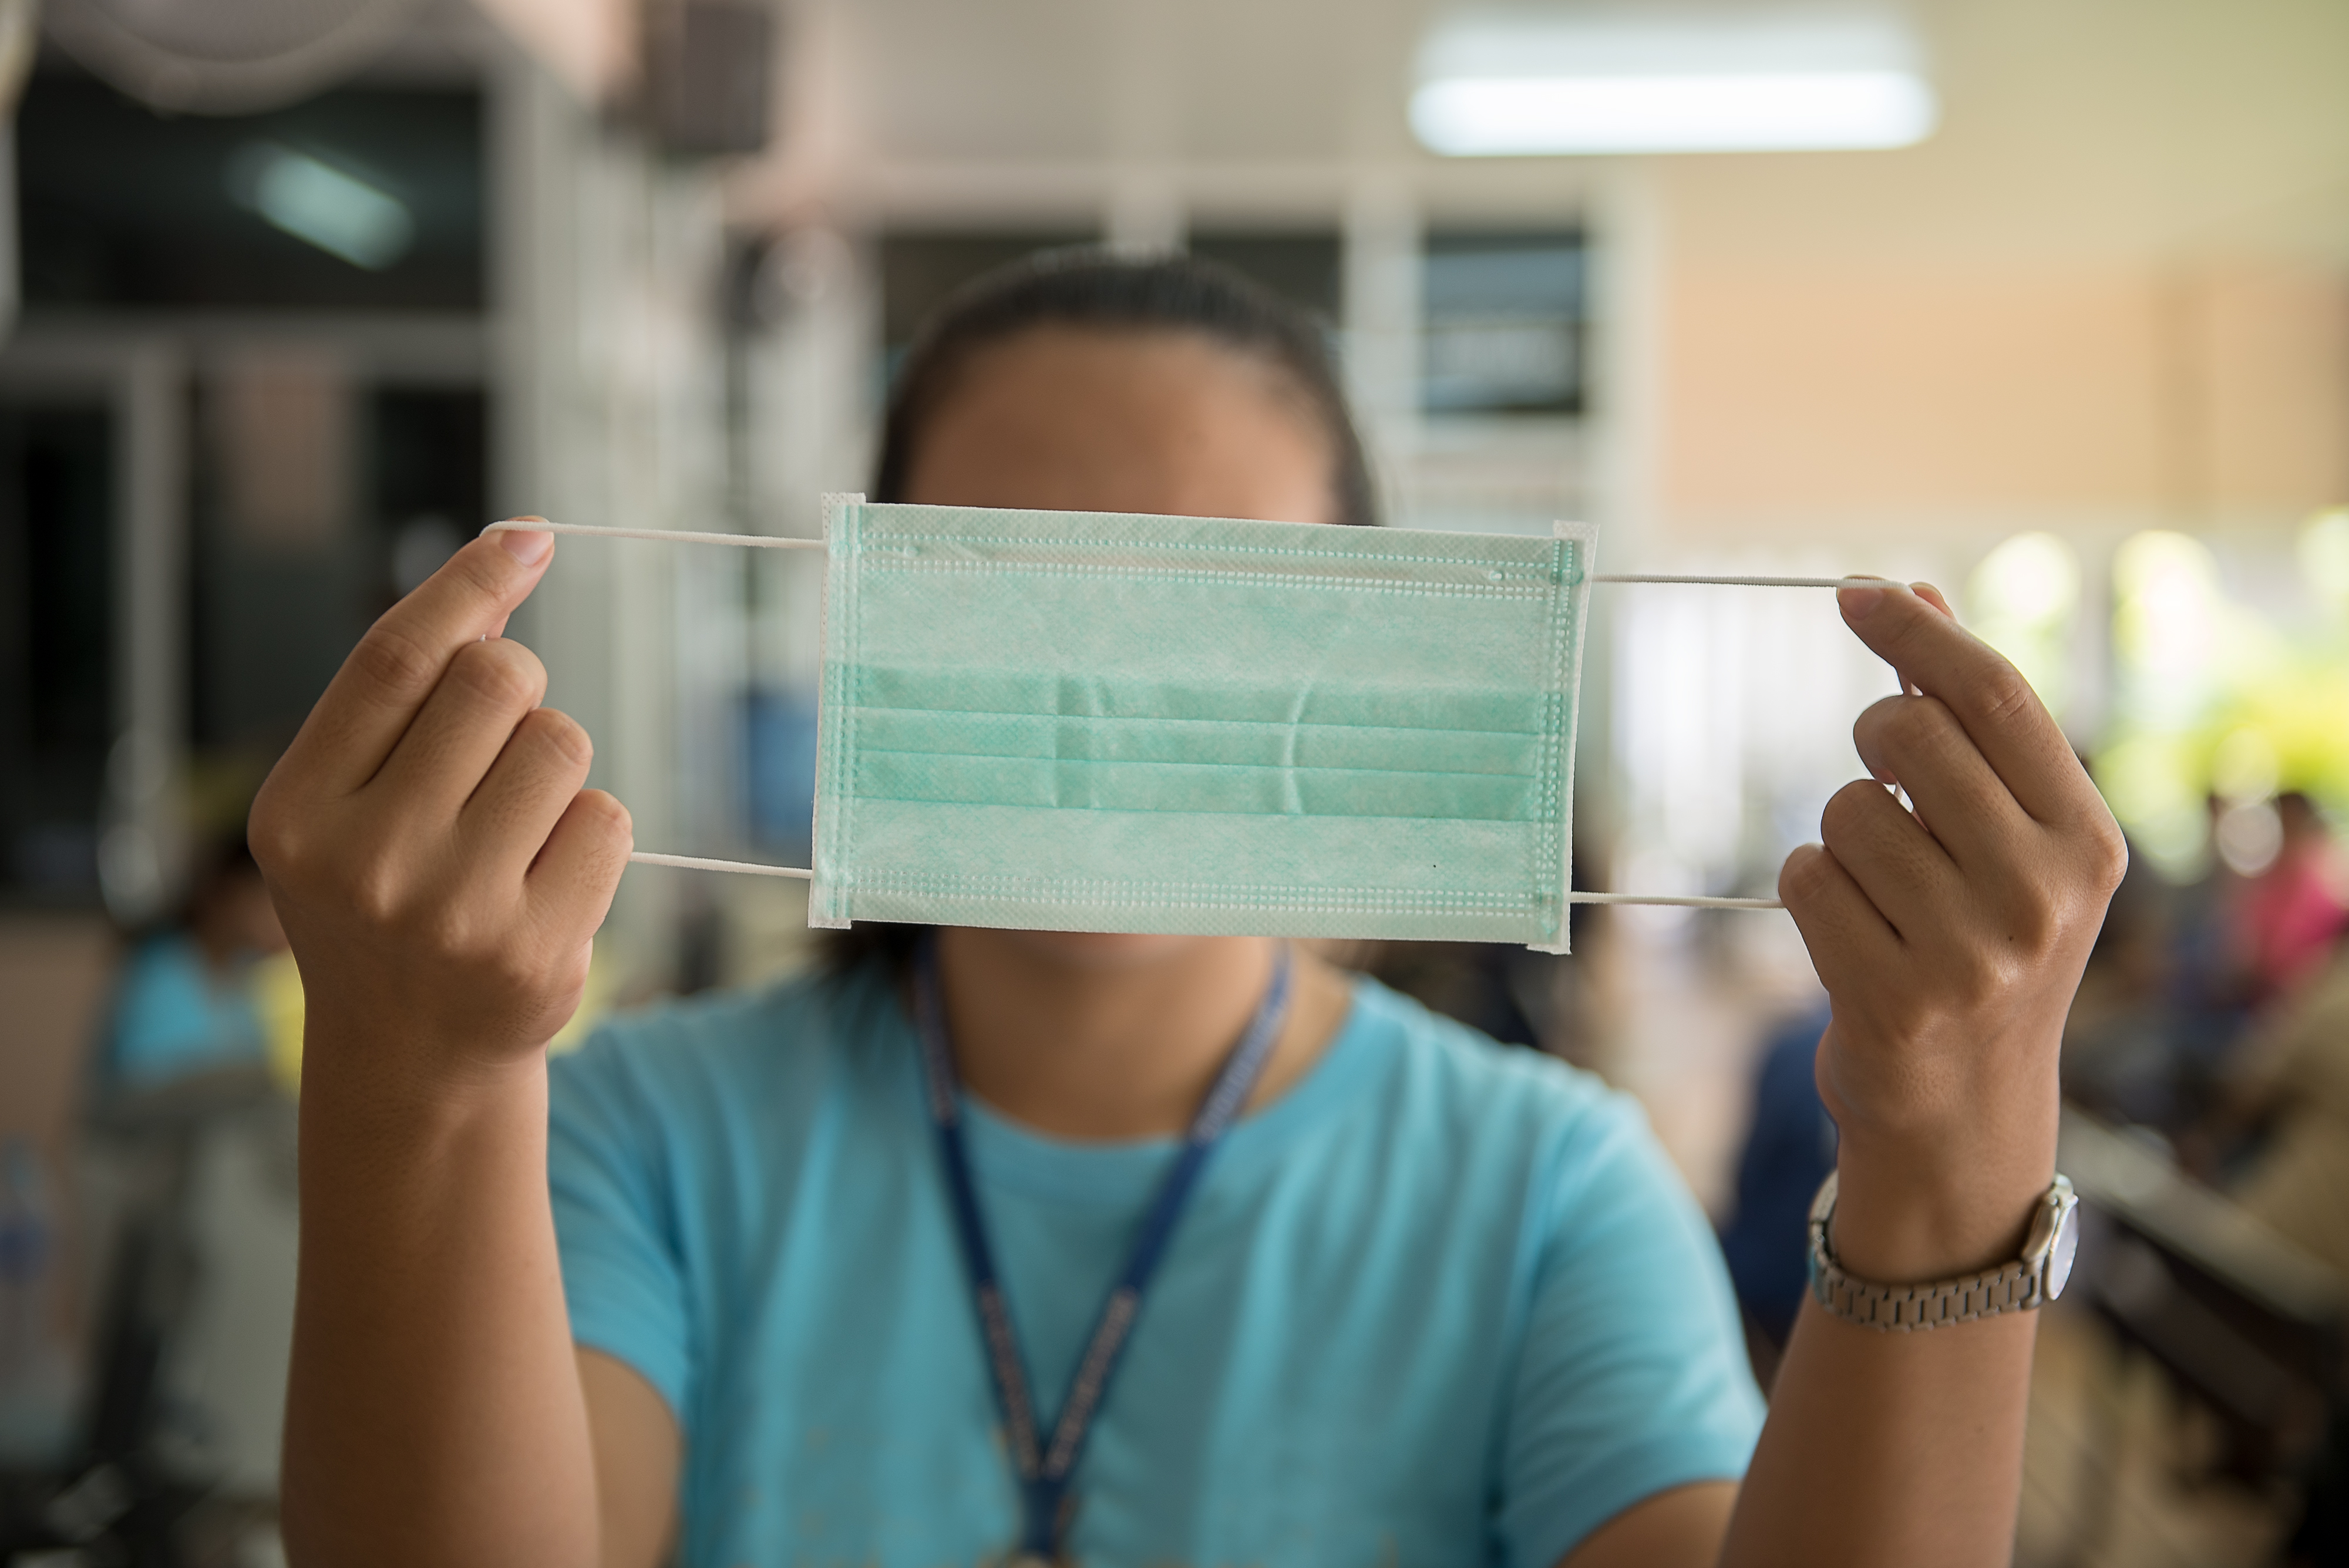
column 57, row 634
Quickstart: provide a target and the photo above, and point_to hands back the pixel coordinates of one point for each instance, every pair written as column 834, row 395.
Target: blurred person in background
column 2131, row 1052
column 2284, row 1115
column 1438, row 1301
column 183, row 1120
column 186, row 1000
column 2207, row 988
column 2289, row 914
column 1790, row 1146
column 2244, row 938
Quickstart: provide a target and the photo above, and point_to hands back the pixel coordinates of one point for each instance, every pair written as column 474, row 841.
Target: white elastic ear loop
column 699, row 863
column 802, row 873
column 658, row 536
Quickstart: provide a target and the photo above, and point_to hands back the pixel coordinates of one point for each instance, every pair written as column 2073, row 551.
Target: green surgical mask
column 1076, row 720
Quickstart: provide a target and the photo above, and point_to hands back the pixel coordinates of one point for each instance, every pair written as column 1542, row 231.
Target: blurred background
column 2047, row 303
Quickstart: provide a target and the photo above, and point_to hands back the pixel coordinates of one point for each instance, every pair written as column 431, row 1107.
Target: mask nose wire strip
column 802, row 874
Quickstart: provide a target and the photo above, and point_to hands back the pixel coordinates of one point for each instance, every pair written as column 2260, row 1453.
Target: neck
column 1111, row 1037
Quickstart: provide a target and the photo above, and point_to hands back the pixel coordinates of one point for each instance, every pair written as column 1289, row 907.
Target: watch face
column 2060, row 1256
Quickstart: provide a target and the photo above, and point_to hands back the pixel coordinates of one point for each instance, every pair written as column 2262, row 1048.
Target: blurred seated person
column 2292, row 1077
column 185, row 1003
column 1790, row 1146
column 2132, row 1051
column 2238, row 943
column 2289, row 914
column 2207, row 987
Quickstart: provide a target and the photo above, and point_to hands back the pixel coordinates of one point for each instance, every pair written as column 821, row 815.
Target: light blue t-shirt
column 172, row 1018
column 1442, row 1303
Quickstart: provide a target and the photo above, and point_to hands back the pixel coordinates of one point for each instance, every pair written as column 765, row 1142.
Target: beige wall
column 52, row 976
column 2270, row 347
column 1810, row 400
column 2110, row 292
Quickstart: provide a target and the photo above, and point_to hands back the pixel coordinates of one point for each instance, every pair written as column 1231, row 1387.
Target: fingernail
column 1858, row 604
column 525, row 545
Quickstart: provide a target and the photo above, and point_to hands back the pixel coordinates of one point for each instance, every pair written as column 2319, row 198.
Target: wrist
column 393, row 1149
column 1906, row 1215
column 363, row 1070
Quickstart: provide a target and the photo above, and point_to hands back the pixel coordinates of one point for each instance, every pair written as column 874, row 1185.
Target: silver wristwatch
column 2033, row 1280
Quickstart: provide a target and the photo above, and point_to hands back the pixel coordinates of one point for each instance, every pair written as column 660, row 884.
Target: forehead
column 1071, row 419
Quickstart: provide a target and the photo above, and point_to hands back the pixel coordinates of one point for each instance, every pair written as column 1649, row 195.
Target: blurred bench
column 2242, row 1318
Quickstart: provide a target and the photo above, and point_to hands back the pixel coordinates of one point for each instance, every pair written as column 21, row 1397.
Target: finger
column 499, row 629
column 1850, row 941
column 1918, row 744
column 1932, row 596
column 1909, row 687
column 2005, row 718
column 1905, row 873
column 376, row 693
column 570, row 884
column 488, row 689
column 526, row 792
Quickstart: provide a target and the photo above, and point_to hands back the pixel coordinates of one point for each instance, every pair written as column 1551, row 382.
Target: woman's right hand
column 437, row 867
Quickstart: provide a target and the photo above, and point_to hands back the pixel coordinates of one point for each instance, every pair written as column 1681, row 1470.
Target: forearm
column 1950, row 938
column 1888, row 1448
column 434, row 1413
column 1902, row 1447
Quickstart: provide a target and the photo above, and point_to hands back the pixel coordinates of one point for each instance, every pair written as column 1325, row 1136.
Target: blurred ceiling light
column 2245, row 767
column 2166, row 608
column 1526, row 83
column 2021, row 600
column 2248, row 837
column 338, row 212
column 2031, row 578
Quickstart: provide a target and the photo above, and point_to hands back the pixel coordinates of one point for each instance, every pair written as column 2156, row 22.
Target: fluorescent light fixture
column 316, row 202
column 1502, row 83
column 1815, row 111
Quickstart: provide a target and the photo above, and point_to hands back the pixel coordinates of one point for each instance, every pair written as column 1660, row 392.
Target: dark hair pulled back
column 1104, row 291
column 1100, row 290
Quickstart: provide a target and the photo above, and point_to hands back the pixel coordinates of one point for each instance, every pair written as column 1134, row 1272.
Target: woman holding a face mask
column 912, row 1262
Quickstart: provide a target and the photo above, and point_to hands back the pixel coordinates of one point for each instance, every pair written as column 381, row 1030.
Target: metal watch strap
column 2018, row 1286
column 1902, row 1308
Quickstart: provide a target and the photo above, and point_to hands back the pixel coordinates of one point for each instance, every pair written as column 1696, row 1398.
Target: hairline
column 950, row 376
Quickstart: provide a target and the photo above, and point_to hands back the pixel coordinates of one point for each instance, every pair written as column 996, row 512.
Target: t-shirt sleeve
column 1632, row 1378
column 615, row 1220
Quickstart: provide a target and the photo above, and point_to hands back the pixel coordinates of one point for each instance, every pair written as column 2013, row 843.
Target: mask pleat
column 1092, row 722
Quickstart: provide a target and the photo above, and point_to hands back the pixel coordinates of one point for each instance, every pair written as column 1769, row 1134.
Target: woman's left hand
column 1950, row 938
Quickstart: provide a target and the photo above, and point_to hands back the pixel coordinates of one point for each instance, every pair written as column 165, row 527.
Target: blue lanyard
column 1044, row 1472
